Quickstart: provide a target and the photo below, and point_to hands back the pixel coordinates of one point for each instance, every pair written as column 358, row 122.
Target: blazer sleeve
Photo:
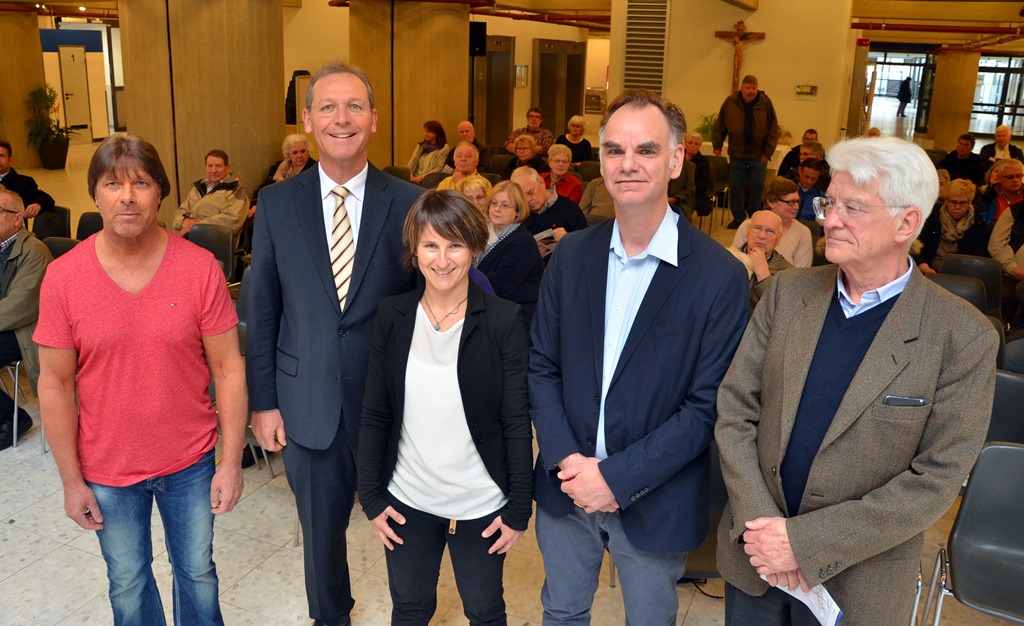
column 264, row 317
column 852, row 531
column 515, row 423
column 20, row 305
column 375, row 424
column 514, row 263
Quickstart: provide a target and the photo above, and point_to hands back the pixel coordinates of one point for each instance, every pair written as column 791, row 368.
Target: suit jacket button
column 590, row 441
column 774, row 471
column 472, row 424
column 821, row 573
column 479, row 439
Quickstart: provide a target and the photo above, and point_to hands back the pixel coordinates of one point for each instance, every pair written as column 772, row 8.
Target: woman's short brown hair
column 773, row 191
column 121, row 152
column 515, row 193
column 451, row 215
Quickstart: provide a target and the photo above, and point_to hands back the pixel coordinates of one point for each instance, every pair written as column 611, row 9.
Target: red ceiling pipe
column 940, row 28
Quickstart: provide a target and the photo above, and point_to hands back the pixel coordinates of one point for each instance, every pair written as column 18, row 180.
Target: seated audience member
column 580, row 147
column 295, row 149
column 873, row 132
column 217, row 199
column 1001, row 148
column 962, row 162
column 764, row 232
column 429, row 155
column 548, row 210
column 702, row 182
column 781, row 198
column 23, row 259
column 525, row 157
column 597, row 200
column 953, row 228
column 542, row 137
column 511, row 260
column 466, row 160
column 1006, row 190
column 943, row 181
column 35, row 199
column 806, row 178
column 468, row 134
column 682, row 189
column 1005, row 246
column 476, row 188
column 1014, row 356
column 558, row 177
column 801, row 151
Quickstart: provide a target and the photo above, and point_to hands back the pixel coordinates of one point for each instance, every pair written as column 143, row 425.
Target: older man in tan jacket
column 23, row 261
column 854, row 409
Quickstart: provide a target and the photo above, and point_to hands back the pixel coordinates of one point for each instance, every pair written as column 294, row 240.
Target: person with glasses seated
column 855, row 406
column 781, row 198
column 764, row 232
column 1006, row 190
column 954, row 228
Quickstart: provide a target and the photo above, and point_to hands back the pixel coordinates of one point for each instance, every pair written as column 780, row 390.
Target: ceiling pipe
column 59, row 12
column 939, row 28
column 486, row 7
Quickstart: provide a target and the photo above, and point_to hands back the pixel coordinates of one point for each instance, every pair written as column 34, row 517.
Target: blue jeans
column 1014, row 356
column 183, row 499
column 744, row 175
column 573, row 549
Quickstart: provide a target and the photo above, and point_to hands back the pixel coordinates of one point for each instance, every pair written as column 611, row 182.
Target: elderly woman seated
column 428, row 156
column 558, row 177
column 953, row 228
column 580, row 147
column 476, row 188
column 525, row 157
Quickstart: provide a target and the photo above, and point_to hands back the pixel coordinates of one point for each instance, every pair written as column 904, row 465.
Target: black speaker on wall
column 477, row 39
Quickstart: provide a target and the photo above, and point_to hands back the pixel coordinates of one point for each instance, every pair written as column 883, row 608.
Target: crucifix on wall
column 738, row 38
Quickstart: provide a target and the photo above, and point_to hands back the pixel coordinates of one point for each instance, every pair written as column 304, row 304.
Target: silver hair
column 290, row 141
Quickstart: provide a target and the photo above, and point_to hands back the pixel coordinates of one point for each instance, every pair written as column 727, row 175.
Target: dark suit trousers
column 774, row 608
column 323, row 482
column 9, row 353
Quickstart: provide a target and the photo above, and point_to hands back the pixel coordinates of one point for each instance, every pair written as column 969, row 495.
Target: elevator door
column 559, row 80
column 493, row 82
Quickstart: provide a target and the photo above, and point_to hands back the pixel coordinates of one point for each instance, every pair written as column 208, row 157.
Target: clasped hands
column 766, row 540
column 583, row 482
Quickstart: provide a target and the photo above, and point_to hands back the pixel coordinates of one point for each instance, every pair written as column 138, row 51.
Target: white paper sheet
column 819, row 600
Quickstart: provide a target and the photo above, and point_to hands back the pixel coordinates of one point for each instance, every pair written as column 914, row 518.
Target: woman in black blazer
column 512, row 262
column 445, row 444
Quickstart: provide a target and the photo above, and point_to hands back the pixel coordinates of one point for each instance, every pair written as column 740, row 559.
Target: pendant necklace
column 437, row 322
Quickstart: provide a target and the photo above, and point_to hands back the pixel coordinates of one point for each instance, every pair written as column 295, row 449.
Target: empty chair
column 967, row 287
column 90, row 223
column 984, row 269
column 720, row 181
column 220, row 241
column 589, row 170
column 398, row 172
column 499, row 161
column 492, row 178
column 60, row 245
column 53, row 223
column 984, row 565
column 936, row 155
column 1007, row 415
column 432, row 180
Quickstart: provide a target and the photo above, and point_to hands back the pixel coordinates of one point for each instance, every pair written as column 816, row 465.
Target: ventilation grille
column 646, row 37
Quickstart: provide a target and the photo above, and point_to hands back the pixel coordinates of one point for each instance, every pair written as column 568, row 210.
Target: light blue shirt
column 872, row 298
column 628, row 280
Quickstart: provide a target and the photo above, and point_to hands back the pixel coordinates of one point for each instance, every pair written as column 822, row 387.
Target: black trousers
column 413, row 568
column 9, row 353
column 323, row 482
column 774, row 608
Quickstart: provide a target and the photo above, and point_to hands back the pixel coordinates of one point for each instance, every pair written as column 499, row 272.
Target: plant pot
column 54, row 153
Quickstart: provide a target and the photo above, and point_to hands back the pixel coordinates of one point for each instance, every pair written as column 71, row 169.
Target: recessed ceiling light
column 81, row 8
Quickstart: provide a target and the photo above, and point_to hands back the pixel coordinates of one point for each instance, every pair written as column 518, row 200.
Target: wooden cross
column 738, row 38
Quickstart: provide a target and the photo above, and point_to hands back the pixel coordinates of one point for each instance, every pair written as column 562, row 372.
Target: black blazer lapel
column 376, row 204
column 309, row 213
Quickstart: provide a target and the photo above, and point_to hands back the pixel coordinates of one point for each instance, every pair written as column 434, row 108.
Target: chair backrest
column 60, row 245
column 243, row 308
column 402, row 173
column 589, row 170
column 967, row 287
column 220, row 241
column 432, row 180
column 1001, row 331
column 499, row 161
column 491, row 177
column 701, row 563
column 936, row 155
column 985, row 544
column 594, row 218
column 1007, row 422
column 719, row 172
column 89, row 223
column 576, row 175
column 53, row 223
column 984, row 269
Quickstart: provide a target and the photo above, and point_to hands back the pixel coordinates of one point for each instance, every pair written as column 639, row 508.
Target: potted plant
column 45, row 131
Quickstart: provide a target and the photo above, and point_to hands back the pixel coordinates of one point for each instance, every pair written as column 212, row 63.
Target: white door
column 75, row 79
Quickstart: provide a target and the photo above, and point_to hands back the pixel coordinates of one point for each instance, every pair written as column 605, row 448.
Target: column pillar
column 201, row 75
column 956, row 74
column 417, row 57
column 20, row 72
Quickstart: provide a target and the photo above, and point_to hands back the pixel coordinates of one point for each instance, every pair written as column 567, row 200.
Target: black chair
column 816, row 235
column 936, row 155
column 984, row 269
column 701, row 563
column 589, row 170
column 401, row 173
column 90, row 223
column 1007, row 422
column 984, row 566
column 432, row 180
column 720, row 182
column 491, row 177
column 1001, row 331
column 594, row 218
column 53, row 223
column 220, row 241
column 499, row 161
column 60, row 245
column 967, row 287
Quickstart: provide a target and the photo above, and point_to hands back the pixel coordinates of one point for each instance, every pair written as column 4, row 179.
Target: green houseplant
column 706, row 124
column 45, row 131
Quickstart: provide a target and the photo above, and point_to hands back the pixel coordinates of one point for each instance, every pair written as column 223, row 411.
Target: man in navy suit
column 637, row 322
column 327, row 247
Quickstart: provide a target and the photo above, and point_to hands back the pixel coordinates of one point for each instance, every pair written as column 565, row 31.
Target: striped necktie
column 343, row 249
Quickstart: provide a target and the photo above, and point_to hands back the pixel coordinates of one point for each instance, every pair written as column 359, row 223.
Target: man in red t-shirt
column 132, row 322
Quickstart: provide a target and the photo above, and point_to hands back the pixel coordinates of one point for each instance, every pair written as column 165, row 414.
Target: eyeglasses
column 502, row 205
column 1014, row 176
column 794, row 202
column 771, row 232
column 824, row 205
column 957, row 203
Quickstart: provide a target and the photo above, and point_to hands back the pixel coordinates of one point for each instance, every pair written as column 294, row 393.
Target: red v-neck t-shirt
column 144, row 409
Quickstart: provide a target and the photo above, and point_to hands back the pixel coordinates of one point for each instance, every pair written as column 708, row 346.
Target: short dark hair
column 451, row 214
column 778, row 187
column 749, row 79
column 6, row 145
column 967, row 137
column 121, row 152
column 811, row 131
column 814, row 146
column 338, row 67
column 535, row 110
column 812, row 164
column 220, row 154
column 640, row 98
column 435, row 127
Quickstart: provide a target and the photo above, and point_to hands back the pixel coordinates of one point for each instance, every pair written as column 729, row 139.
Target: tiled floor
column 51, row 571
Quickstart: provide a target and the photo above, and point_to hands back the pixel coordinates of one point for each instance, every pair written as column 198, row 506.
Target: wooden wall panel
column 956, row 74
column 20, row 71
column 370, row 46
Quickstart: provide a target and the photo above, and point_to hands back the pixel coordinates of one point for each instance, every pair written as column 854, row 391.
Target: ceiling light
column 81, row 8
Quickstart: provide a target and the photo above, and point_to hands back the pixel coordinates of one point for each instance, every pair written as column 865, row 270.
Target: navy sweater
column 841, row 348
